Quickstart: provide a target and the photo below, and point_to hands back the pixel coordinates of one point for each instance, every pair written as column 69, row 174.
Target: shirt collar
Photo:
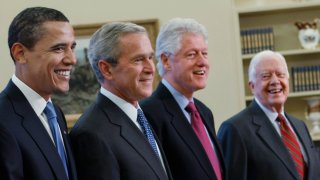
column 126, row 107
column 180, row 99
column 36, row 101
column 270, row 114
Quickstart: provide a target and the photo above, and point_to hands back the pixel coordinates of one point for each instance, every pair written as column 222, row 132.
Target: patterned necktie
column 55, row 130
column 289, row 139
column 198, row 127
column 142, row 120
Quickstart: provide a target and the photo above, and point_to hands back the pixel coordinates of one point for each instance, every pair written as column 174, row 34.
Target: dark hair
column 26, row 27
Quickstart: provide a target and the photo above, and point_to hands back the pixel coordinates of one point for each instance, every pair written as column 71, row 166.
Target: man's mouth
column 65, row 73
column 275, row 91
column 199, row 72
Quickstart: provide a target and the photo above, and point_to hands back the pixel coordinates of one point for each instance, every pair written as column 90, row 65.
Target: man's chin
column 146, row 94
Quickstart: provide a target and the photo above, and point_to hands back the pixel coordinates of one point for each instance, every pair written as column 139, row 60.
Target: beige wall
column 224, row 91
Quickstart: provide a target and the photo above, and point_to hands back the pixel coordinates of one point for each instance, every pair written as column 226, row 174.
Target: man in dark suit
column 192, row 153
column 41, row 42
column 262, row 141
column 112, row 139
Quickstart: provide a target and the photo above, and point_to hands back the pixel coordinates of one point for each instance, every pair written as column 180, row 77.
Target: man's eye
column 151, row 57
column 58, row 49
column 73, row 47
column 265, row 76
column 205, row 54
column 191, row 55
column 139, row 59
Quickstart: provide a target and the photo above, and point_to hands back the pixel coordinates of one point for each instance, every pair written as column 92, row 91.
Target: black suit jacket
column 26, row 149
column 254, row 150
column 108, row 145
column 186, row 156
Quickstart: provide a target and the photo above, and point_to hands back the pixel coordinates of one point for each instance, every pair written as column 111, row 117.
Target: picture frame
column 83, row 84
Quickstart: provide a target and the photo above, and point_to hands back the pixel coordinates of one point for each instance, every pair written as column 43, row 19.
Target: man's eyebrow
column 58, row 45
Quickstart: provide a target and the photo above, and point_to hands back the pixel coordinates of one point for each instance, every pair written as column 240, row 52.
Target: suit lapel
column 183, row 128
column 271, row 138
column 131, row 134
column 35, row 129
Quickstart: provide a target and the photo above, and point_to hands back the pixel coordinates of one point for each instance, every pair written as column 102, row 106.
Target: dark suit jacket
column 186, row 156
column 26, row 149
column 254, row 150
column 108, row 145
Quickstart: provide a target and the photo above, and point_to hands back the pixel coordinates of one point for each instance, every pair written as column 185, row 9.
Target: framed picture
column 83, row 83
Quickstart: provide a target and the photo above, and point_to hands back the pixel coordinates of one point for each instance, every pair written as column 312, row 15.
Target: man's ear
column 165, row 61
column 251, row 86
column 18, row 53
column 106, row 69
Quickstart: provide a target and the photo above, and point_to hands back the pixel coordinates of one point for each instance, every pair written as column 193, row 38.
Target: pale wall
column 224, row 91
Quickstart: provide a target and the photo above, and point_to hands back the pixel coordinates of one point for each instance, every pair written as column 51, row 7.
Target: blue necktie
column 147, row 131
column 52, row 120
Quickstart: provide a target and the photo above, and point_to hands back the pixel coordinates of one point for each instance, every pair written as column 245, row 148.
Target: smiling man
column 34, row 145
column 183, row 124
column 262, row 141
column 112, row 139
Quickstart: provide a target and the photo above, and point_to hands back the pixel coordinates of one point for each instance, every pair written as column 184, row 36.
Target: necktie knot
column 281, row 118
column 141, row 118
column 191, row 108
column 49, row 111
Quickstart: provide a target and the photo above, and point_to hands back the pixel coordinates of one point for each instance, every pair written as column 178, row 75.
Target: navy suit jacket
column 26, row 149
column 254, row 150
column 186, row 156
column 108, row 145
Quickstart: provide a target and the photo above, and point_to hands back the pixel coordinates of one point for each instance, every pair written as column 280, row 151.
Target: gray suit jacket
column 108, row 145
column 254, row 150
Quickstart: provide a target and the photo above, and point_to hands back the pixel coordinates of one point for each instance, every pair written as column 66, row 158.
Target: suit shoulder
column 90, row 120
column 4, row 102
column 240, row 118
column 238, row 127
column 150, row 103
column 9, row 118
column 150, row 100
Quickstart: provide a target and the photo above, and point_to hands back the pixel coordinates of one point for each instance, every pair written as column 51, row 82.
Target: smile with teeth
column 200, row 72
column 65, row 73
column 274, row 91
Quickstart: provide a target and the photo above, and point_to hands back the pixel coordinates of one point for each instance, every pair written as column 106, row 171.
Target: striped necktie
column 291, row 142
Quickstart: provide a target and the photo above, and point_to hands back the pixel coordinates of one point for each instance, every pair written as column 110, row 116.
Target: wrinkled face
column 187, row 70
column 271, row 84
column 133, row 75
column 46, row 67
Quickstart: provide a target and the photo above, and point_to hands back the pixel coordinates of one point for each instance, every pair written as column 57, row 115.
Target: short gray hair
column 104, row 44
column 258, row 58
column 170, row 35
